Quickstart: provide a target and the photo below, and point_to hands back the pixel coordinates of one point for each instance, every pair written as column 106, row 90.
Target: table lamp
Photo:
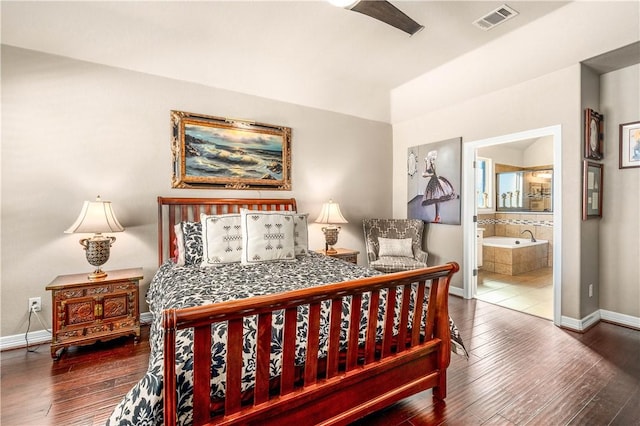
column 330, row 215
column 96, row 217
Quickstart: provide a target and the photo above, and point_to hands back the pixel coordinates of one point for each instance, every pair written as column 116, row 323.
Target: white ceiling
column 303, row 52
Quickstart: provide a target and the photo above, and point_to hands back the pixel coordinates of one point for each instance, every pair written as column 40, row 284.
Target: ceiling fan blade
column 387, row 13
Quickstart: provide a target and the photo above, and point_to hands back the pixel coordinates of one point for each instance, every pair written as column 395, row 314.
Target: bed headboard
column 175, row 210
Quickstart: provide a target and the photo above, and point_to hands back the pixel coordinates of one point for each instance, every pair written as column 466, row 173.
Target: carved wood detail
column 85, row 311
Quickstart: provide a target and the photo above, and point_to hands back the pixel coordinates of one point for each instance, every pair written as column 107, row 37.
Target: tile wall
column 513, row 224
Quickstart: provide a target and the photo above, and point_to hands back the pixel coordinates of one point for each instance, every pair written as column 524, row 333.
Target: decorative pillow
column 399, row 247
column 300, row 234
column 221, row 239
column 266, row 236
column 192, row 238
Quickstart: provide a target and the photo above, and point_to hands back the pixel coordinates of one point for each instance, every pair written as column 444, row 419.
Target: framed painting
column 630, row 145
column 591, row 190
column 593, row 135
column 215, row 152
column 434, row 182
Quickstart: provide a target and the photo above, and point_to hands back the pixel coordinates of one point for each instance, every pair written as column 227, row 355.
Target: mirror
column 525, row 191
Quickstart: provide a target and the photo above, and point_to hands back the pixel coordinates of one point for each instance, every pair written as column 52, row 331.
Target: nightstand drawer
column 344, row 254
column 353, row 258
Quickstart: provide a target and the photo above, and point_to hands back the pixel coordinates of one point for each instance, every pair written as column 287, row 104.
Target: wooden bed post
column 169, row 325
column 160, row 233
column 442, row 330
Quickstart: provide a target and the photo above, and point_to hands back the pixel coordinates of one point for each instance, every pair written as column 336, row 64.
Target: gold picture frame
column 225, row 153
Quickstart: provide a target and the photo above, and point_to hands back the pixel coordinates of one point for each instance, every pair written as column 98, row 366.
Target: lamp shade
column 331, row 214
column 95, row 217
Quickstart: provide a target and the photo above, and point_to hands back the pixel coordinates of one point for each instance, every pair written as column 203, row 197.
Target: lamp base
column 97, row 251
column 98, row 274
column 331, row 238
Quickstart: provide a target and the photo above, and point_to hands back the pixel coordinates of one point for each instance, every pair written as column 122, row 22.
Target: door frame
column 469, row 210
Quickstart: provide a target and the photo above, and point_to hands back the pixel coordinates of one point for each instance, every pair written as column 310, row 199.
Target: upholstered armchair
column 394, row 245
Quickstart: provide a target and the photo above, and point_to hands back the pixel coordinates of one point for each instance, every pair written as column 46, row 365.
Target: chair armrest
column 371, row 256
column 422, row 256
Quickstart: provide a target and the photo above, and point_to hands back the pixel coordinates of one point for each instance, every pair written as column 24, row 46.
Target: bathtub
column 513, row 256
column 510, row 242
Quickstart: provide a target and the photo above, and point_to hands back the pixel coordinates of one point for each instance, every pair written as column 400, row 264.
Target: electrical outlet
column 590, row 290
column 35, row 304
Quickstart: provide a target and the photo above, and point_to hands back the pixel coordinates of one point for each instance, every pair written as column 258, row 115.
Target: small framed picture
column 630, row 145
column 591, row 190
column 593, row 134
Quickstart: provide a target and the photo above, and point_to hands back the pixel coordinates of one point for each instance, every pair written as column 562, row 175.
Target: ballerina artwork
column 438, row 189
column 432, row 197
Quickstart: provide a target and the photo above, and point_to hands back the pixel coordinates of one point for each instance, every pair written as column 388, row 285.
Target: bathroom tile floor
column 531, row 292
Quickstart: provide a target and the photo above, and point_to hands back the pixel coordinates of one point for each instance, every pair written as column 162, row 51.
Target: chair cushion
column 396, row 264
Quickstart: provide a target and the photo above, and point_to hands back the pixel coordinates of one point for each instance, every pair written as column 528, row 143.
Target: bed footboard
column 352, row 380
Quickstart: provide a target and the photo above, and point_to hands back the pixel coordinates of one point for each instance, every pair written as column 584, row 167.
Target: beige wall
column 589, row 229
column 540, row 153
column 72, row 130
column 620, row 224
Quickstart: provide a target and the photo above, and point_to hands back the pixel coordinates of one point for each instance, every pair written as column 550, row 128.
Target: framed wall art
column 591, row 190
column 434, row 182
column 593, row 135
column 215, row 152
column 630, row 145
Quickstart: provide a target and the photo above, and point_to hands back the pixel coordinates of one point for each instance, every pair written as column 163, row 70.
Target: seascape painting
column 434, row 182
column 228, row 153
column 232, row 153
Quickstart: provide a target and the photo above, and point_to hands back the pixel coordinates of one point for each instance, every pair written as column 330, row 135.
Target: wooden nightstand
column 344, row 254
column 86, row 311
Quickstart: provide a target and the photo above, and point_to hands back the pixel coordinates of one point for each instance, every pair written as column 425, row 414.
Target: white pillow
column 221, row 239
column 300, row 233
column 399, row 247
column 179, row 244
column 266, row 236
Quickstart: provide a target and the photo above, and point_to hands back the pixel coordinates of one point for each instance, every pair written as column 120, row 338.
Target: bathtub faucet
column 533, row 240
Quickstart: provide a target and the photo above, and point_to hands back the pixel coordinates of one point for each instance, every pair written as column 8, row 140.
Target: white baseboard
column 595, row 317
column 16, row 341
column 456, row 291
column 40, row 337
column 580, row 324
column 622, row 319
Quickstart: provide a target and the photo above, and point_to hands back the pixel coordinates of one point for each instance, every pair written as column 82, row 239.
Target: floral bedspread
column 180, row 287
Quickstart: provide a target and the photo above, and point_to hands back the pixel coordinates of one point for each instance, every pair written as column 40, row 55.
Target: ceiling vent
column 497, row 17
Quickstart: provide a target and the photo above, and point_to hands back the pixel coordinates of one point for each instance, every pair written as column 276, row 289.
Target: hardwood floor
column 80, row 389
column 522, row 370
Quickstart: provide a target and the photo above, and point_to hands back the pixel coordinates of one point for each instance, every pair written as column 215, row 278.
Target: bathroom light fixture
column 330, row 215
column 96, row 217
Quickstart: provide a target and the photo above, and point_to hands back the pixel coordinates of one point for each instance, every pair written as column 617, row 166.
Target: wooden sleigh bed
column 359, row 357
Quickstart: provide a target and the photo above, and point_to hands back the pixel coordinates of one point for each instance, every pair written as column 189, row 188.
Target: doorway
column 470, row 212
